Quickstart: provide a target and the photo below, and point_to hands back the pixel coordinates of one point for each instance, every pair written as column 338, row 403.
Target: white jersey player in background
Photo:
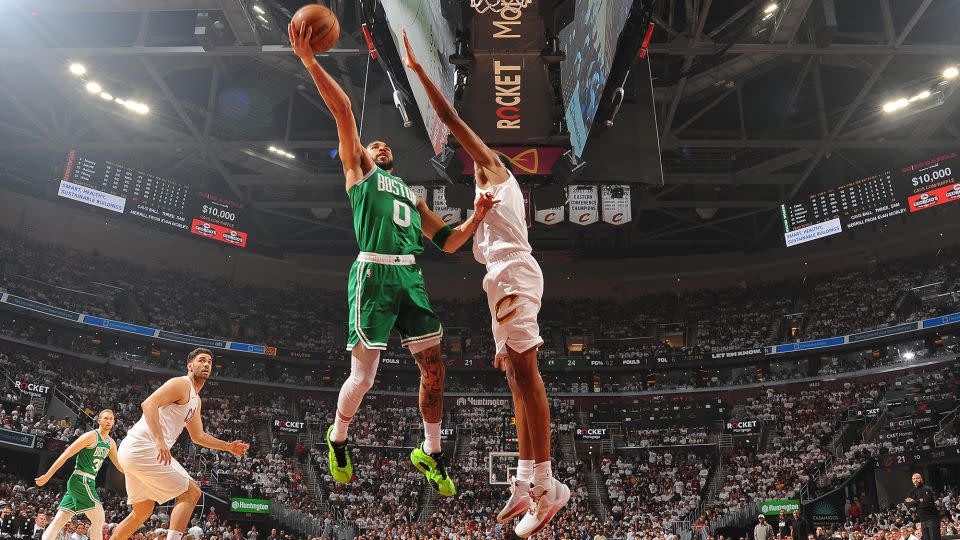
column 152, row 474
column 514, row 287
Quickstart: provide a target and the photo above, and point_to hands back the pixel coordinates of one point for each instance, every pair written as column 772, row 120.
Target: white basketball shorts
column 514, row 287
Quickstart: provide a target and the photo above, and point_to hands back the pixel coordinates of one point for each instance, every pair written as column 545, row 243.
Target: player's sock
column 542, row 474
column 340, row 427
column 174, row 535
column 525, row 470
column 431, row 433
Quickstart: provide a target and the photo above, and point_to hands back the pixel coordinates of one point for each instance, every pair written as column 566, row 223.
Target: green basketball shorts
column 386, row 292
column 81, row 494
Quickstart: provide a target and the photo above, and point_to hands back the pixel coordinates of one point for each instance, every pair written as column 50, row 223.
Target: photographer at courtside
column 923, row 501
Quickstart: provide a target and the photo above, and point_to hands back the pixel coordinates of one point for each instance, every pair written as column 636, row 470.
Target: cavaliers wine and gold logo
column 504, row 304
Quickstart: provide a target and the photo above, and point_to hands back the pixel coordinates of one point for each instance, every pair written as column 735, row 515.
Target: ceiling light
column 902, row 102
column 767, row 16
column 889, row 107
column 263, row 19
column 272, row 148
column 951, row 72
column 93, row 87
column 258, row 9
column 922, row 95
column 141, row 108
column 77, row 69
column 771, row 8
column 106, row 96
column 119, row 100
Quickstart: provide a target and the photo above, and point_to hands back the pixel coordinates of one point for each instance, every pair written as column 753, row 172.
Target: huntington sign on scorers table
column 250, row 506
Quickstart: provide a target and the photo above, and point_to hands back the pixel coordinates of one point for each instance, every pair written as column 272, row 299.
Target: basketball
column 326, row 27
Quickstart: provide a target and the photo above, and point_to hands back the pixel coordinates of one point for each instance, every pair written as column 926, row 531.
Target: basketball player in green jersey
column 385, row 286
column 91, row 449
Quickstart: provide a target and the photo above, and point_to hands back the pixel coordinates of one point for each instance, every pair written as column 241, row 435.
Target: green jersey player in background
column 385, row 286
column 91, row 449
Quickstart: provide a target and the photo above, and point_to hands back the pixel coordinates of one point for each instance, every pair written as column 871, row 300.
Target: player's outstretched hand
column 500, row 362
column 41, row 480
column 409, row 59
column 483, row 204
column 163, row 454
column 238, row 448
column 300, row 40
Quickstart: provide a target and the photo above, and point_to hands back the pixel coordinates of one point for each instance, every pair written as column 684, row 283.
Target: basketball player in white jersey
column 153, row 475
column 514, row 287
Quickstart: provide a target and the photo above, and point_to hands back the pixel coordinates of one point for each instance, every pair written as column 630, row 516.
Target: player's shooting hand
column 163, row 454
column 238, row 448
column 483, row 204
column 409, row 60
column 300, row 40
column 500, row 362
column 41, row 480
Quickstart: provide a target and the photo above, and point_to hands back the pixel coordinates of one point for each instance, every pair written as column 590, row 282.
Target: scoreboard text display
column 909, row 189
column 146, row 197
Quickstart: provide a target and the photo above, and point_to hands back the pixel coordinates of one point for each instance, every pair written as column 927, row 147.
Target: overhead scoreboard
column 907, row 189
column 146, row 197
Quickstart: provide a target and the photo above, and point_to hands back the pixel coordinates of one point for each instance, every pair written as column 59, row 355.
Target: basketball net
column 483, row 6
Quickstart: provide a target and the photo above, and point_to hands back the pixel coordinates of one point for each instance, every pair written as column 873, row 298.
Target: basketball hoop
column 483, row 6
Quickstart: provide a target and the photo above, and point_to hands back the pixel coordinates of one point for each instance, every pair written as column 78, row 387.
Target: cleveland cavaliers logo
column 505, row 303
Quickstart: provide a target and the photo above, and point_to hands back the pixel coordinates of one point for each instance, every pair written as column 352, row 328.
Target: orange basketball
column 326, row 27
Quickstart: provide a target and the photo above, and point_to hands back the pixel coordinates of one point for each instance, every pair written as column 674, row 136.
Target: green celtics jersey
column 89, row 460
column 385, row 215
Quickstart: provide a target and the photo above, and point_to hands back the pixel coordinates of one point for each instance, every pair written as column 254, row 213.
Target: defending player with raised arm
column 514, row 287
column 91, row 449
column 385, row 287
column 152, row 474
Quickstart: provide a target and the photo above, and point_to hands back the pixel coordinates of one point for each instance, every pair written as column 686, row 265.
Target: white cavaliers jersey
column 173, row 418
column 504, row 229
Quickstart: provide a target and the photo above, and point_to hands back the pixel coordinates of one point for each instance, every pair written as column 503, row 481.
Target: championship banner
column 289, row 426
column 450, row 216
column 616, row 204
column 420, row 192
column 583, row 204
column 32, row 389
column 550, row 216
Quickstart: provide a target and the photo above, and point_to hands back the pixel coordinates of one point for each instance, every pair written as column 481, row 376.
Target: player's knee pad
column 363, row 373
column 363, row 370
column 420, row 346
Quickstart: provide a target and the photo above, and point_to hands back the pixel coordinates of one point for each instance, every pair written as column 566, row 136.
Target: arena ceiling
column 752, row 111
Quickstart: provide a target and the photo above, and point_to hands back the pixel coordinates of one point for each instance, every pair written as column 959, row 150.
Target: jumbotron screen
column 143, row 196
column 907, row 189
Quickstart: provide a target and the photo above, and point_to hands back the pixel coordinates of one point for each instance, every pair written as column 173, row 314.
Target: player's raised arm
column 356, row 162
column 451, row 239
column 482, row 155
column 201, row 437
column 82, row 442
column 173, row 391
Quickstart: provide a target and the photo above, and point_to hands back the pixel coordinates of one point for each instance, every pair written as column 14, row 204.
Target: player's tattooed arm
column 432, row 374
